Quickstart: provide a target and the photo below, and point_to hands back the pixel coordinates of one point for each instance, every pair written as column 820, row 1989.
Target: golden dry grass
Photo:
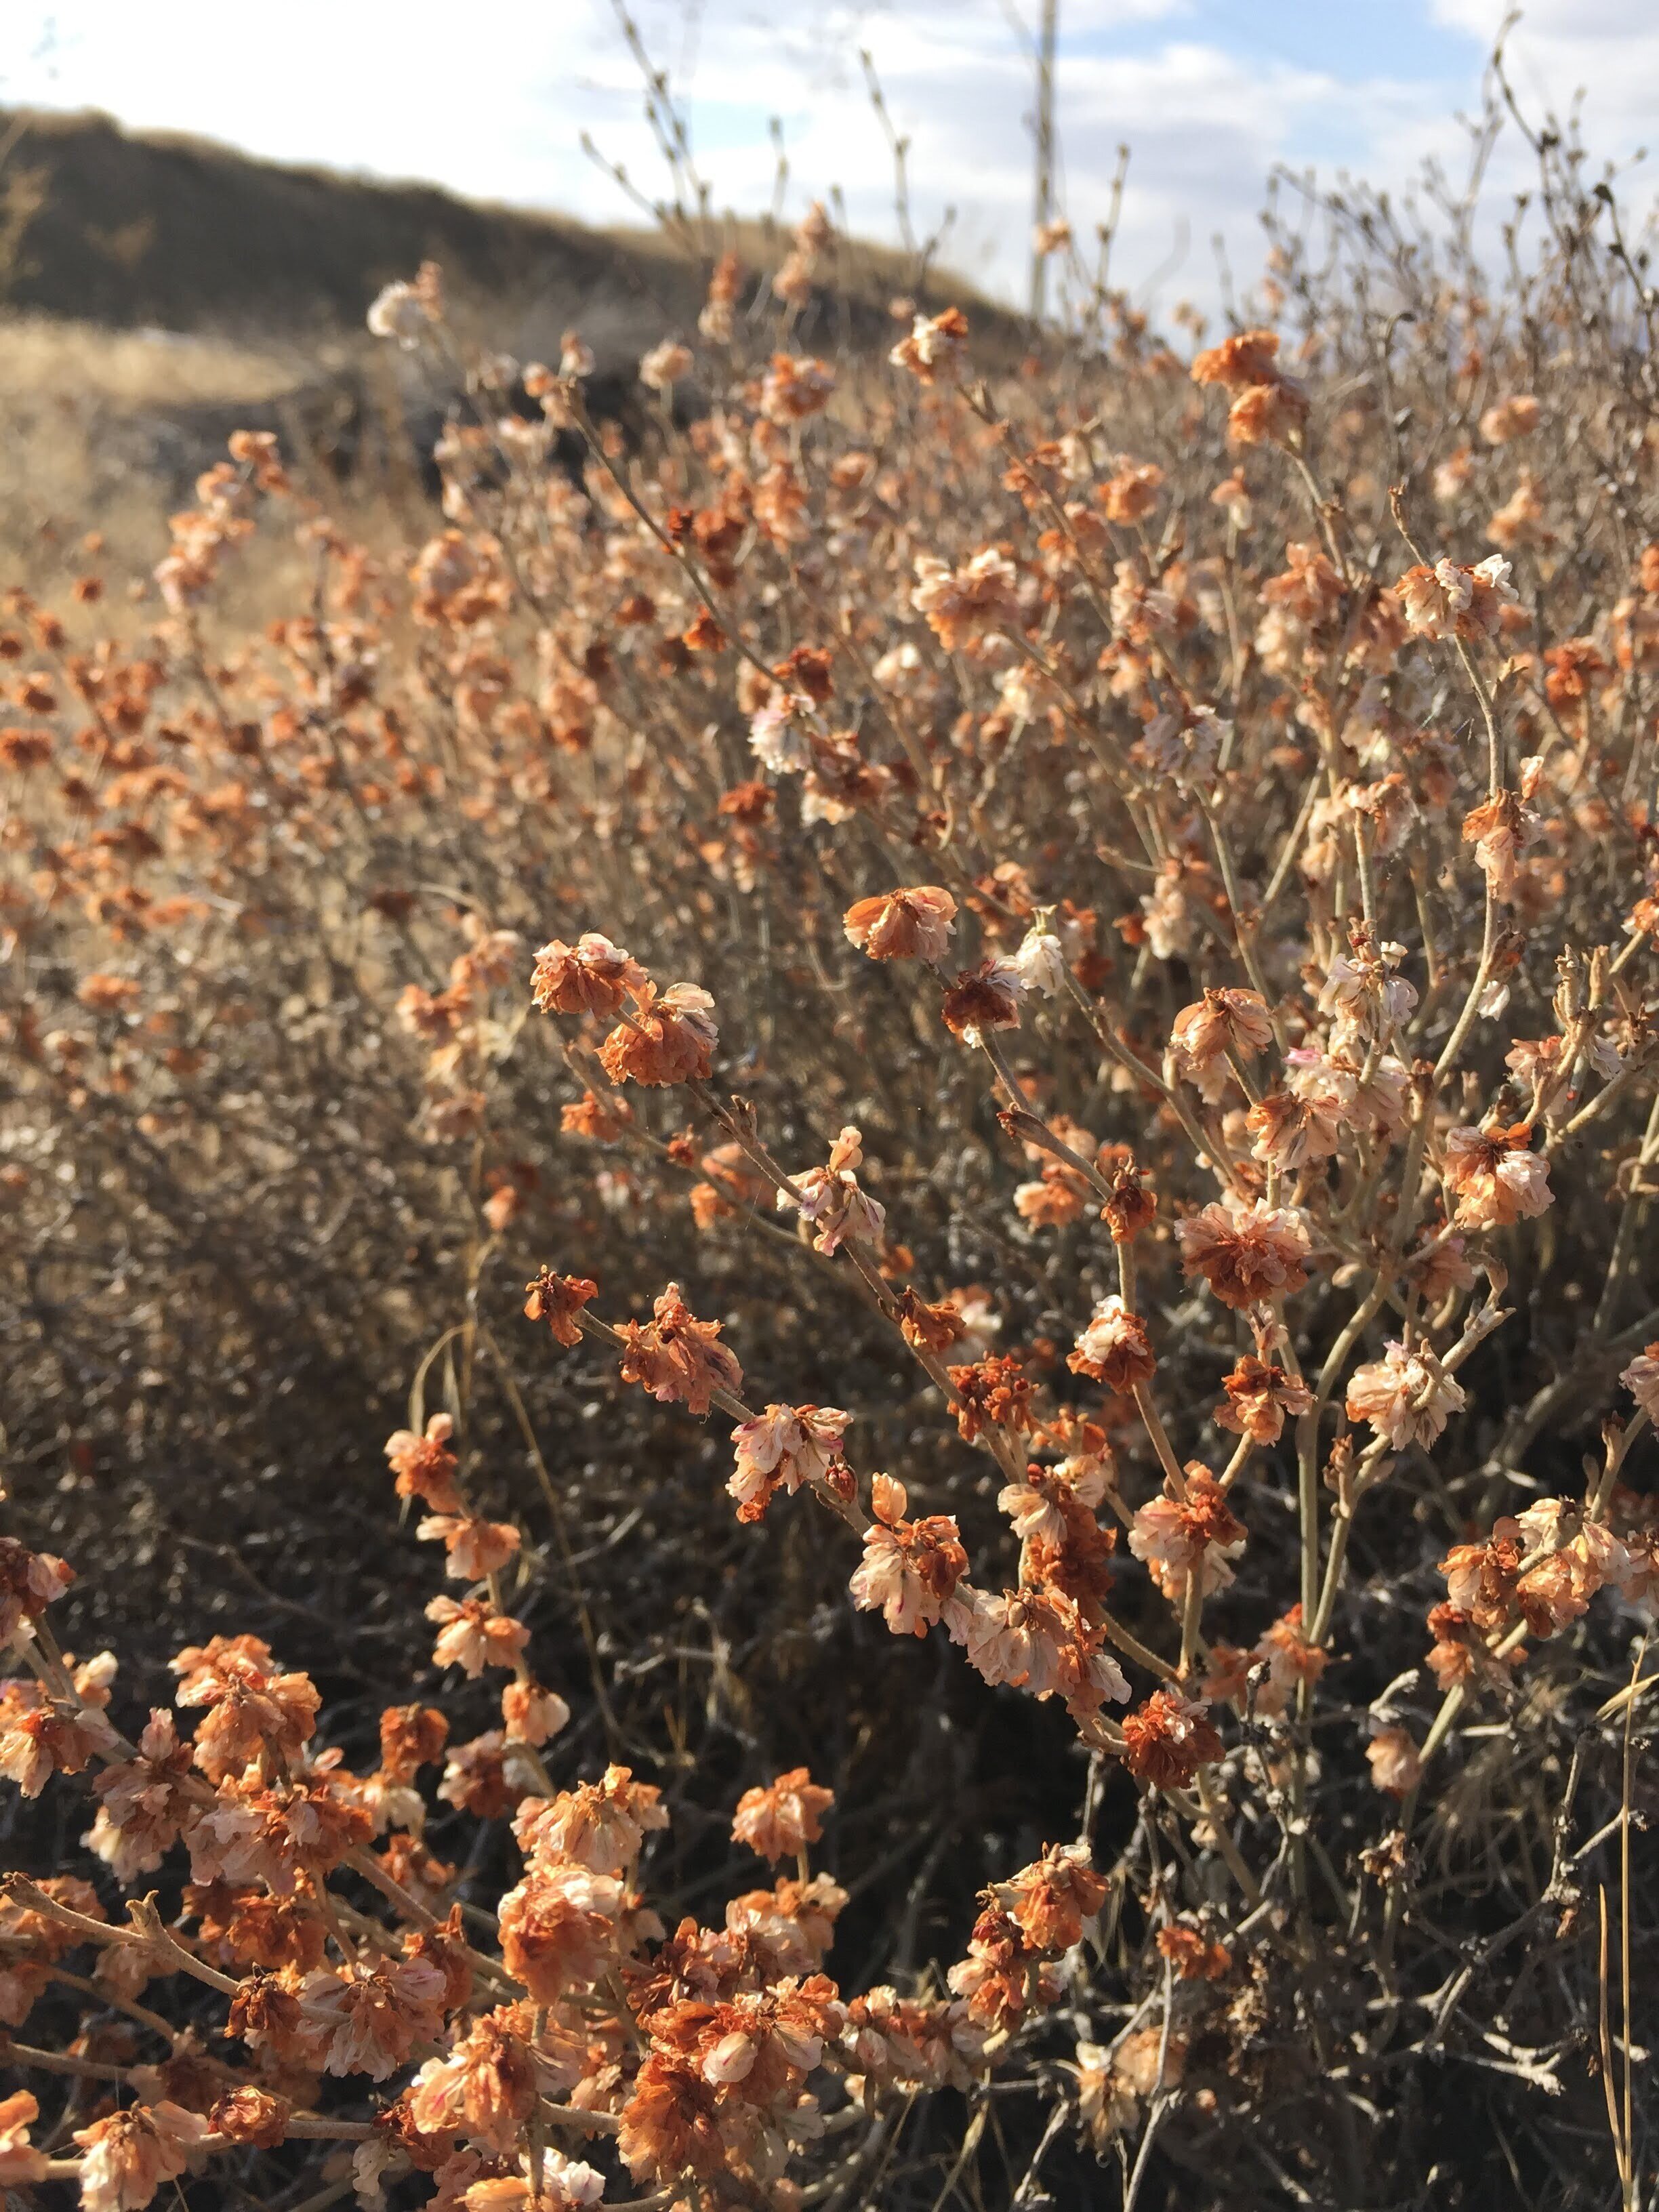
column 45, row 357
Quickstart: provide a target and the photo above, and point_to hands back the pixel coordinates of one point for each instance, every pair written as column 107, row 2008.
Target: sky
column 1208, row 94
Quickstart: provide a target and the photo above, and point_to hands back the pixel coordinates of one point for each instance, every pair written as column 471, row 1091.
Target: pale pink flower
column 1168, row 914
column 1500, row 830
column 20, row 2162
column 831, row 1200
column 996, row 1633
column 1396, row 1765
column 780, row 1820
column 1432, row 599
column 128, row 2156
column 400, row 312
column 251, row 1707
column 910, row 1569
column 1293, row 1128
column 532, row 1714
column 558, row 1927
column 1115, row 1348
column 39, row 1739
column 476, row 1548
column 1222, row 1022
column 777, row 737
column 962, row 603
column 1640, row 1379
column 473, row 1635
column 1406, row 1396
column 1514, row 417
column 913, row 924
column 485, row 2089
column 568, row 2184
column 367, row 2019
column 598, row 1825
column 592, row 976
column 1039, row 961
column 1367, row 999
column 884, row 1583
column 982, row 1000
column 1495, row 1178
column 30, row 1582
column 1491, row 592
column 1603, row 1559
column 1170, row 1539
column 933, row 351
column 275, row 1836
column 1185, row 748
column 795, row 386
column 143, row 1804
column 1036, row 1642
column 665, row 366
column 1247, row 1254
column 783, row 1448
column 1034, row 1513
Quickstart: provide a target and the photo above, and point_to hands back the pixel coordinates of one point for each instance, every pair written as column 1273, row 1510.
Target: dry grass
column 86, row 414
column 44, row 357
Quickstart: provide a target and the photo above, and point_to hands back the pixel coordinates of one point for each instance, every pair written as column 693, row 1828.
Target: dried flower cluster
column 339, row 1952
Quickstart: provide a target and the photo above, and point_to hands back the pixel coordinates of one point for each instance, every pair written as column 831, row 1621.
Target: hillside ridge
column 132, row 229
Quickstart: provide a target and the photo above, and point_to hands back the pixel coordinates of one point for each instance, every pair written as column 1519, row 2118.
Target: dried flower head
column 1250, row 1254
column 1115, row 1348
column 904, row 925
column 983, row 999
column 593, row 976
column 1168, row 1739
column 1259, row 1397
column 128, row 2156
column 1495, row 1178
column 557, row 1300
column 1396, row 1767
column 934, row 349
column 675, row 1356
column 1407, row 1395
column 779, row 1821
column 669, row 1037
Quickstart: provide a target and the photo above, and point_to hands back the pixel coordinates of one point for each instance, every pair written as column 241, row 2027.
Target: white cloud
column 1607, row 49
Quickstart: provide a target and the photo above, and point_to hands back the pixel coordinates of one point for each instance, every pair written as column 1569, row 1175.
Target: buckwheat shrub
column 981, row 1016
